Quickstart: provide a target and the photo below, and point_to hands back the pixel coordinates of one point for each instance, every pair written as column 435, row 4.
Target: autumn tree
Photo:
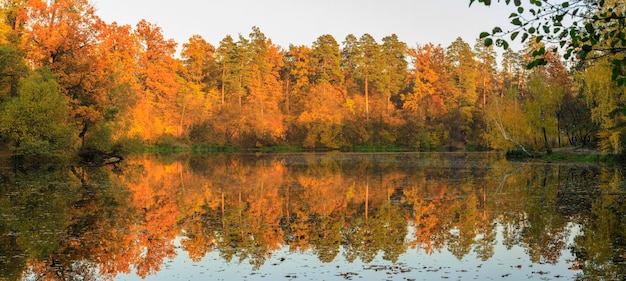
column 605, row 98
column 198, row 96
column 157, row 113
column 322, row 115
column 62, row 36
column 506, row 126
column 198, row 59
column 547, row 85
column 297, row 76
column 425, row 105
column 117, row 48
column 429, row 79
column 265, row 90
column 235, row 66
column 322, row 118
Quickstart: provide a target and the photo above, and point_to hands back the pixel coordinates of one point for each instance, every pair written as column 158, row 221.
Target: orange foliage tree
column 157, row 113
column 63, row 36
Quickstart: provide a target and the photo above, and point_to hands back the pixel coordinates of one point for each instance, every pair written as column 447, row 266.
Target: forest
column 70, row 81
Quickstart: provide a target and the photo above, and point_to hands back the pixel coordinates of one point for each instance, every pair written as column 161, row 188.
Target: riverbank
column 578, row 154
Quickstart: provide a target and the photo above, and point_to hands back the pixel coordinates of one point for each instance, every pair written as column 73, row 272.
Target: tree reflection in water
column 95, row 223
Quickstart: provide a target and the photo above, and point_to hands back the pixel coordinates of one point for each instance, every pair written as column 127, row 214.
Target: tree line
column 70, row 81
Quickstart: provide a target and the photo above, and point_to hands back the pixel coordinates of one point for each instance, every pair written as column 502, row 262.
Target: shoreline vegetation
column 560, row 154
column 570, row 154
column 100, row 158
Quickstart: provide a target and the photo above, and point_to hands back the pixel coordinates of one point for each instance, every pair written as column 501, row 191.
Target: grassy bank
column 570, row 154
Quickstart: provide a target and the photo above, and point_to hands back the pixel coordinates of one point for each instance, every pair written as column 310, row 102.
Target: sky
column 301, row 22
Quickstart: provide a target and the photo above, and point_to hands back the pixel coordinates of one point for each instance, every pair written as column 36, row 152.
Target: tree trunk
column 545, row 141
column 223, row 83
column 287, row 109
column 367, row 109
column 82, row 134
column 182, row 119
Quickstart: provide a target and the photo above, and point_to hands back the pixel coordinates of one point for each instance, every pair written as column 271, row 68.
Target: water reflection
column 97, row 223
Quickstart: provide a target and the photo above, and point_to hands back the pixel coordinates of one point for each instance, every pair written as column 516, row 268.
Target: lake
column 315, row 216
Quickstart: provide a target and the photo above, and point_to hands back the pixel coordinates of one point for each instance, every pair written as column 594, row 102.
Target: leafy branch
column 583, row 29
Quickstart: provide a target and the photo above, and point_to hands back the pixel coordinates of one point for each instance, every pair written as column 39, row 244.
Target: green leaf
column 559, row 18
column 615, row 73
column 496, row 30
column 532, row 30
column 488, row 42
column 483, row 35
column 516, row 21
column 565, row 4
column 513, row 15
column 520, row 10
column 539, row 52
column 514, row 35
column 616, row 63
column 524, row 37
column 535, row 63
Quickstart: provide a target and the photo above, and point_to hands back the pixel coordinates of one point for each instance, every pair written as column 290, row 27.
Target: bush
column 36, row 121
column 130, row 145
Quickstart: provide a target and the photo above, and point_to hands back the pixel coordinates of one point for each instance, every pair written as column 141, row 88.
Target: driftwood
column 95, row 157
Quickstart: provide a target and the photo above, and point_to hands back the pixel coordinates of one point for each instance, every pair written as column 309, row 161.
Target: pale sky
column 301, row 22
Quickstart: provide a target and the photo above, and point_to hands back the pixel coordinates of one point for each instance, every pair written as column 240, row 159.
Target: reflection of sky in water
column 513, row 264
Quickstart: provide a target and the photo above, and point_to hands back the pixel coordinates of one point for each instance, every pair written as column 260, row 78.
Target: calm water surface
column 326, row 216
